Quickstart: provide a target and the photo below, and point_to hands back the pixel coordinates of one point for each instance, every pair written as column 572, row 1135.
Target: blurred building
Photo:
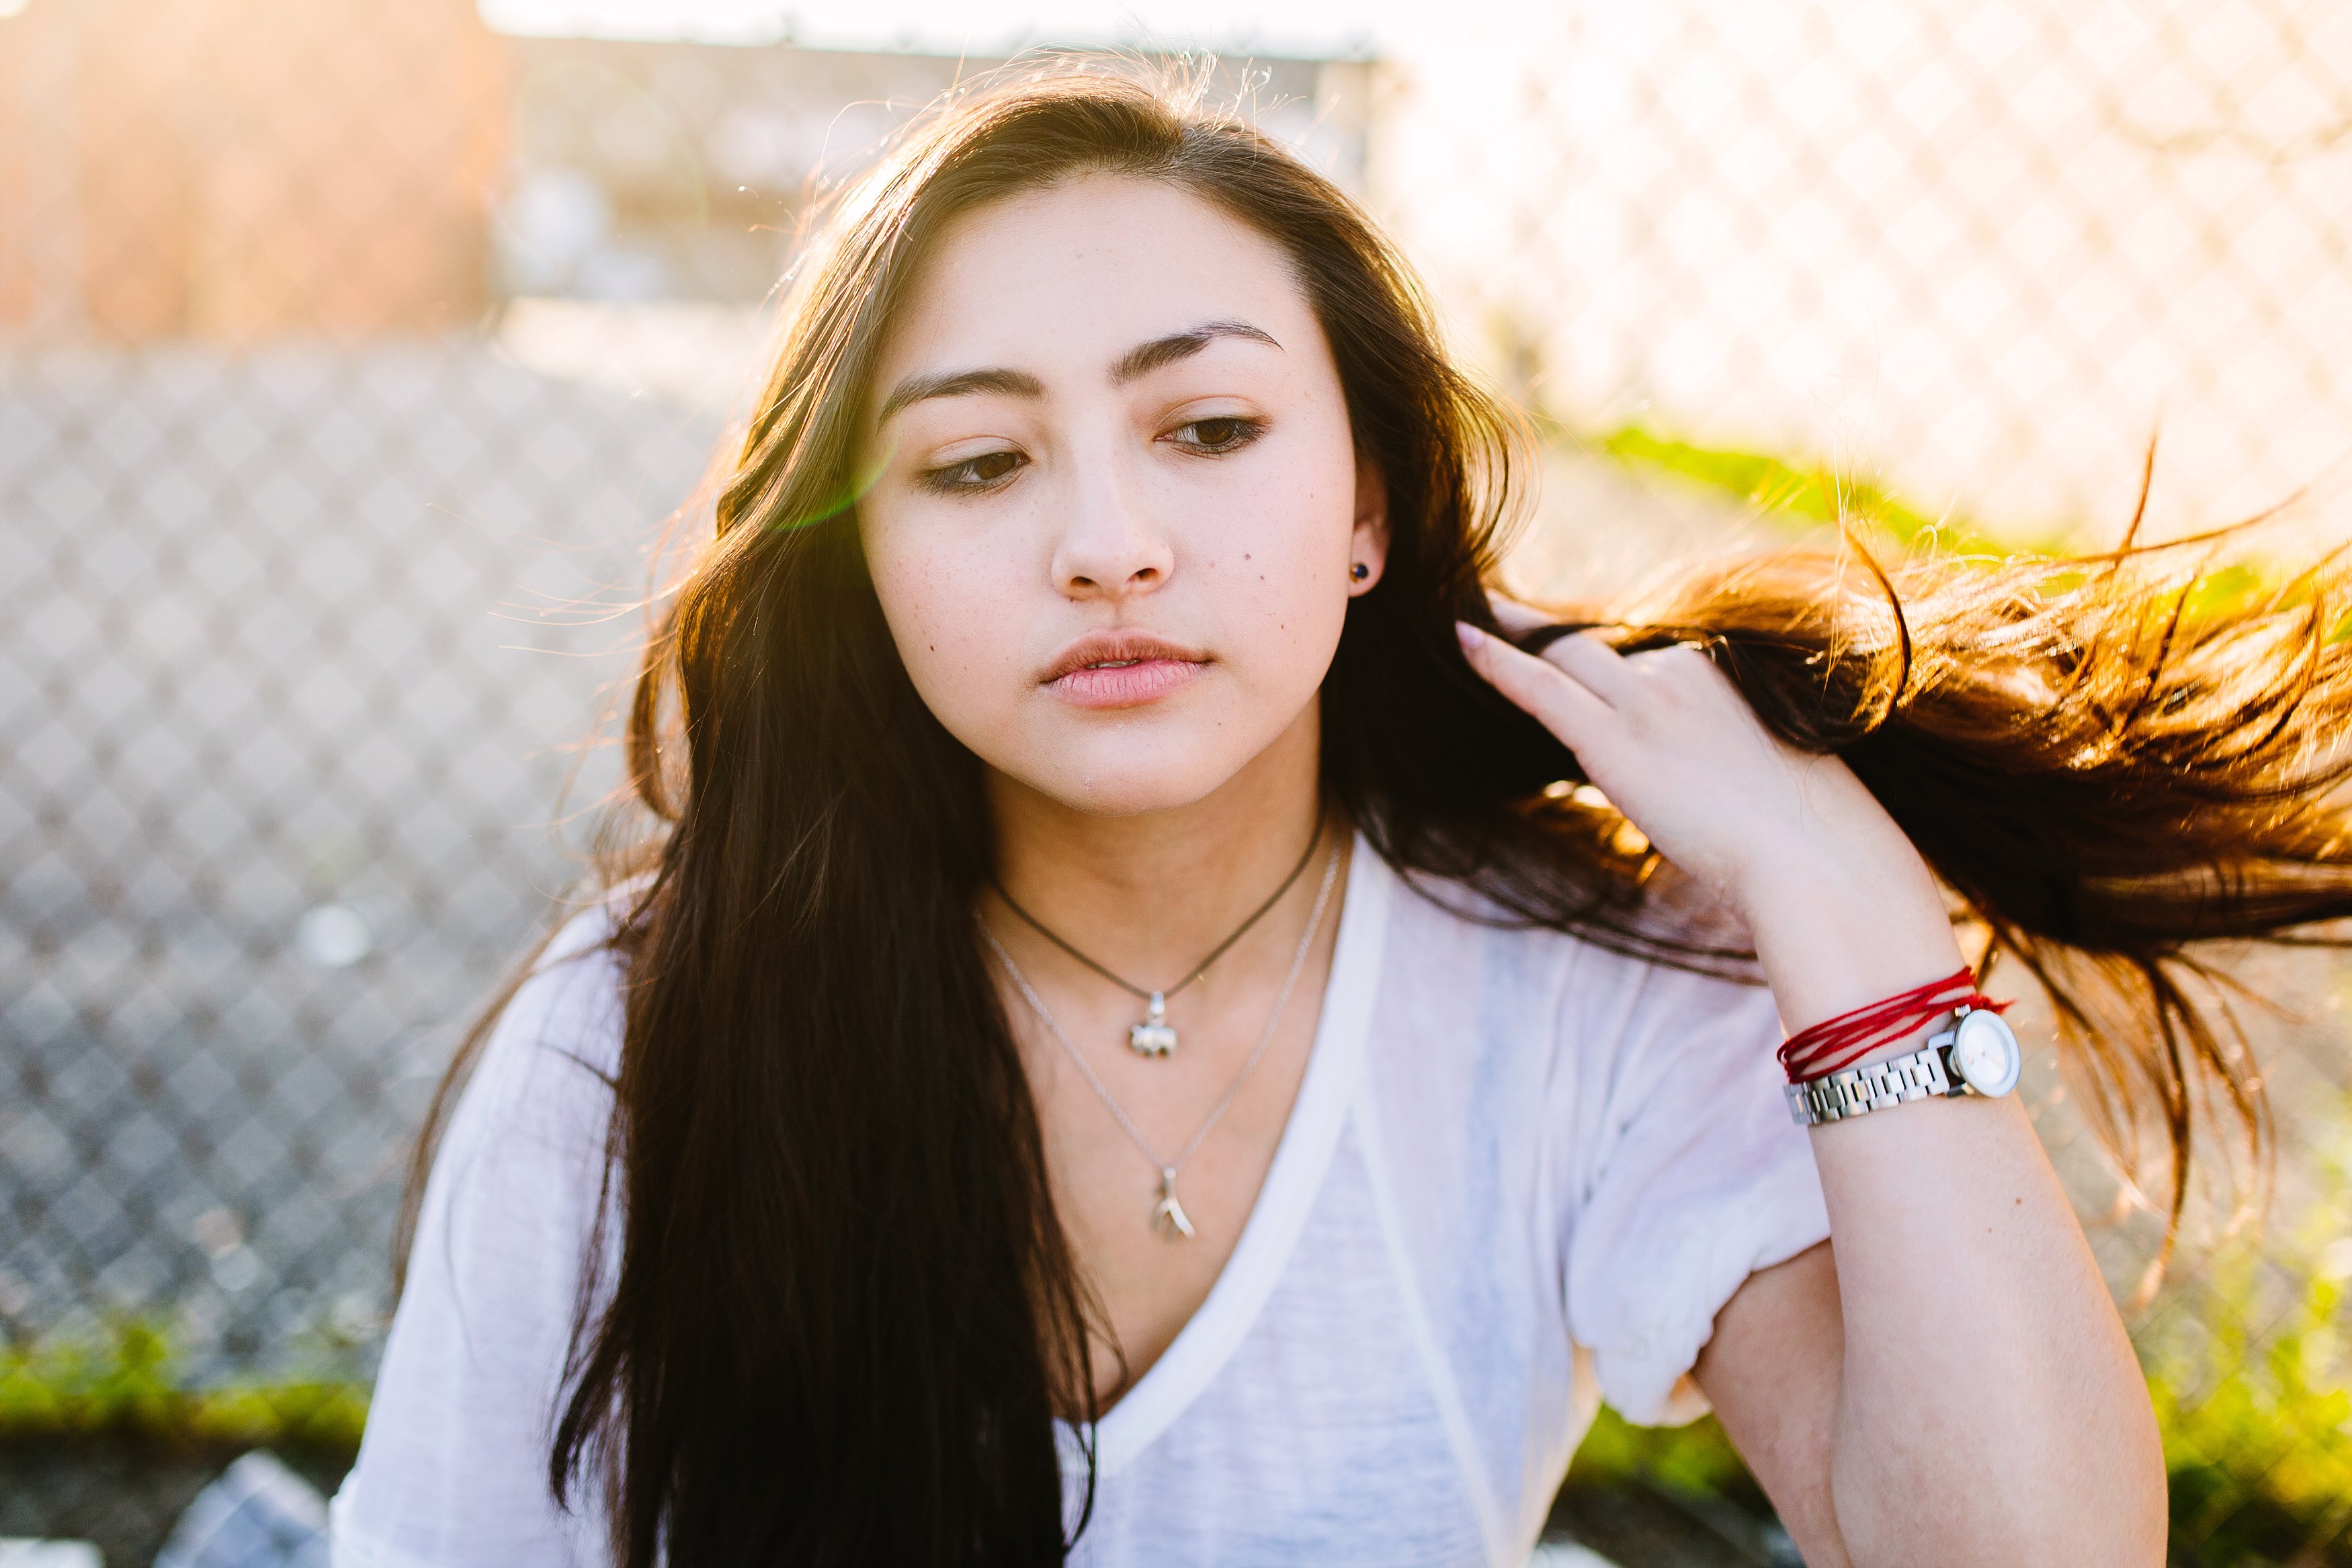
column 234, row 170
column 679, row 171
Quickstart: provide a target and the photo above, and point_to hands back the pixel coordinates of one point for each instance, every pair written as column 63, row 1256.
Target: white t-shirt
column 1522, row 1174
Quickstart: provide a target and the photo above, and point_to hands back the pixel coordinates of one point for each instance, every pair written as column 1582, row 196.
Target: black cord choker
column 1155, row 1036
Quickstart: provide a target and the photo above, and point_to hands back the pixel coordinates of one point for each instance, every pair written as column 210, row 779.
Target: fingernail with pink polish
column 1471, row 636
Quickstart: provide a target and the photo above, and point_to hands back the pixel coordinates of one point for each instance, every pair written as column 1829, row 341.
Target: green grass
column 2254, row 1387
column 129, row 1384
column 1806, row 497
column 1697, row 1457
column 1809, row 500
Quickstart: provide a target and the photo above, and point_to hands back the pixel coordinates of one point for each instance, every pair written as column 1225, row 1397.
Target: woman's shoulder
column 554, row 1054
column 570, row 997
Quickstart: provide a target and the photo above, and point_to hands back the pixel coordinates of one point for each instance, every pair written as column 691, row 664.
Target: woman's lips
column 1125, row 685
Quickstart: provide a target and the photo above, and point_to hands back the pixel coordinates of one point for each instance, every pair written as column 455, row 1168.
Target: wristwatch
column 1977, row 1055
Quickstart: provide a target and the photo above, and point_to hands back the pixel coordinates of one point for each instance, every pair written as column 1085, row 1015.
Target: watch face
column 1985, row 1050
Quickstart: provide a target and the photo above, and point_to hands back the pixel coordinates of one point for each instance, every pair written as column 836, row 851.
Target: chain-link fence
column 1979, row 250
column 351, row 355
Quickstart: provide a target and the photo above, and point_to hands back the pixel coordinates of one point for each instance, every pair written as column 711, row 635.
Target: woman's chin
column 1163, row 757
column 1130, row 781
column 1127, row 793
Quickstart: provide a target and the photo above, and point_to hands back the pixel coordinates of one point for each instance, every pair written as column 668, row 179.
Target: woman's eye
column 985, row 472
column 1225, row 433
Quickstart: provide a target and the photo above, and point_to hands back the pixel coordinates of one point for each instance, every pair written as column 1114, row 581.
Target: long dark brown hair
column 846, row 1316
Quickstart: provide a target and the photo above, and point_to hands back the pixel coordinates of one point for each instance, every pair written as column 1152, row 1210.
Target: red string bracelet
column 1838, row 1042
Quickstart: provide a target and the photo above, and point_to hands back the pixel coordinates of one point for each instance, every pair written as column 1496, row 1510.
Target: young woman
column 1130, row 1040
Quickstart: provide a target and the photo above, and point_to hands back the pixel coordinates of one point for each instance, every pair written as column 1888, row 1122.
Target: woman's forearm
column 1989, row 1408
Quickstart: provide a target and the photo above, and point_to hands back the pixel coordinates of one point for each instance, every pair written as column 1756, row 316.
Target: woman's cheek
column 1295, row 592
column 954, row 619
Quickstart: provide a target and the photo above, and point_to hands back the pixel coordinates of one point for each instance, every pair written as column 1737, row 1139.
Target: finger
column 1598, row 666
column 1513, row 616
column 1560, row 701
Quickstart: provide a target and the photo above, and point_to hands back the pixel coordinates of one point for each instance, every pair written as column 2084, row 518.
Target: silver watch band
column 1926, row 1073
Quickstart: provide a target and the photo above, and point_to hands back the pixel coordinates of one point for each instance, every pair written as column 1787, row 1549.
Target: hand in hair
column 2032, row 1392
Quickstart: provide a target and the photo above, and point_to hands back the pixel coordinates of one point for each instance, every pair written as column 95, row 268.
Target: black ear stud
column 1360, row 571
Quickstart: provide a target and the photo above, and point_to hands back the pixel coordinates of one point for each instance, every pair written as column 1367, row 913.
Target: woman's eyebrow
column 1142, row 360
column 956, row 383
column 1145, row 358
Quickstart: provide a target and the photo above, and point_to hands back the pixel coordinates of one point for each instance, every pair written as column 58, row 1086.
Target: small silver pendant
column 1168, row 1216
column 1153, row 1036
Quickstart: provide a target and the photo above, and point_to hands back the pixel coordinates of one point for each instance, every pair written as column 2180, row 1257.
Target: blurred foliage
column 127, row 1383
column 1808, row 498
column 2254, row 1387
column 1697, row 1458
column 1807, row 495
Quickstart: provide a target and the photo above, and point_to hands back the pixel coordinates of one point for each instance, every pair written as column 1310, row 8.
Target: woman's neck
column 1147, row 894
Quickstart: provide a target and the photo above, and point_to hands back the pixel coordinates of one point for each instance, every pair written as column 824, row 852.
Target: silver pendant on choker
column 1154, row 1035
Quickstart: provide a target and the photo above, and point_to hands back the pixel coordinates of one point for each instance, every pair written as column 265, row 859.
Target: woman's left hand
column 1673, row 744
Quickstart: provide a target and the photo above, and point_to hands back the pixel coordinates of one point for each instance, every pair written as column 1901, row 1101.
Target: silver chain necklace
column 1168, row 1215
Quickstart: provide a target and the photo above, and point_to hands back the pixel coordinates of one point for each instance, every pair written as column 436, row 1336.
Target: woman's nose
column 1111, row 545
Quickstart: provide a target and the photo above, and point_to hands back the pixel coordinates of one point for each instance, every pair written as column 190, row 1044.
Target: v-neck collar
column 1224, row 1318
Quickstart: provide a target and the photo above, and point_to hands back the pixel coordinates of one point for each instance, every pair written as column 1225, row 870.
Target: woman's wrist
column 1830, row 942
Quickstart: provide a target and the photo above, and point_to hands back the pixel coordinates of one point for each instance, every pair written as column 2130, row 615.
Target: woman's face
column 1118, row 500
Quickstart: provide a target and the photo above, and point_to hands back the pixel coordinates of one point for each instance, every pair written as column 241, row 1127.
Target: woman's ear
column 1368, row 550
